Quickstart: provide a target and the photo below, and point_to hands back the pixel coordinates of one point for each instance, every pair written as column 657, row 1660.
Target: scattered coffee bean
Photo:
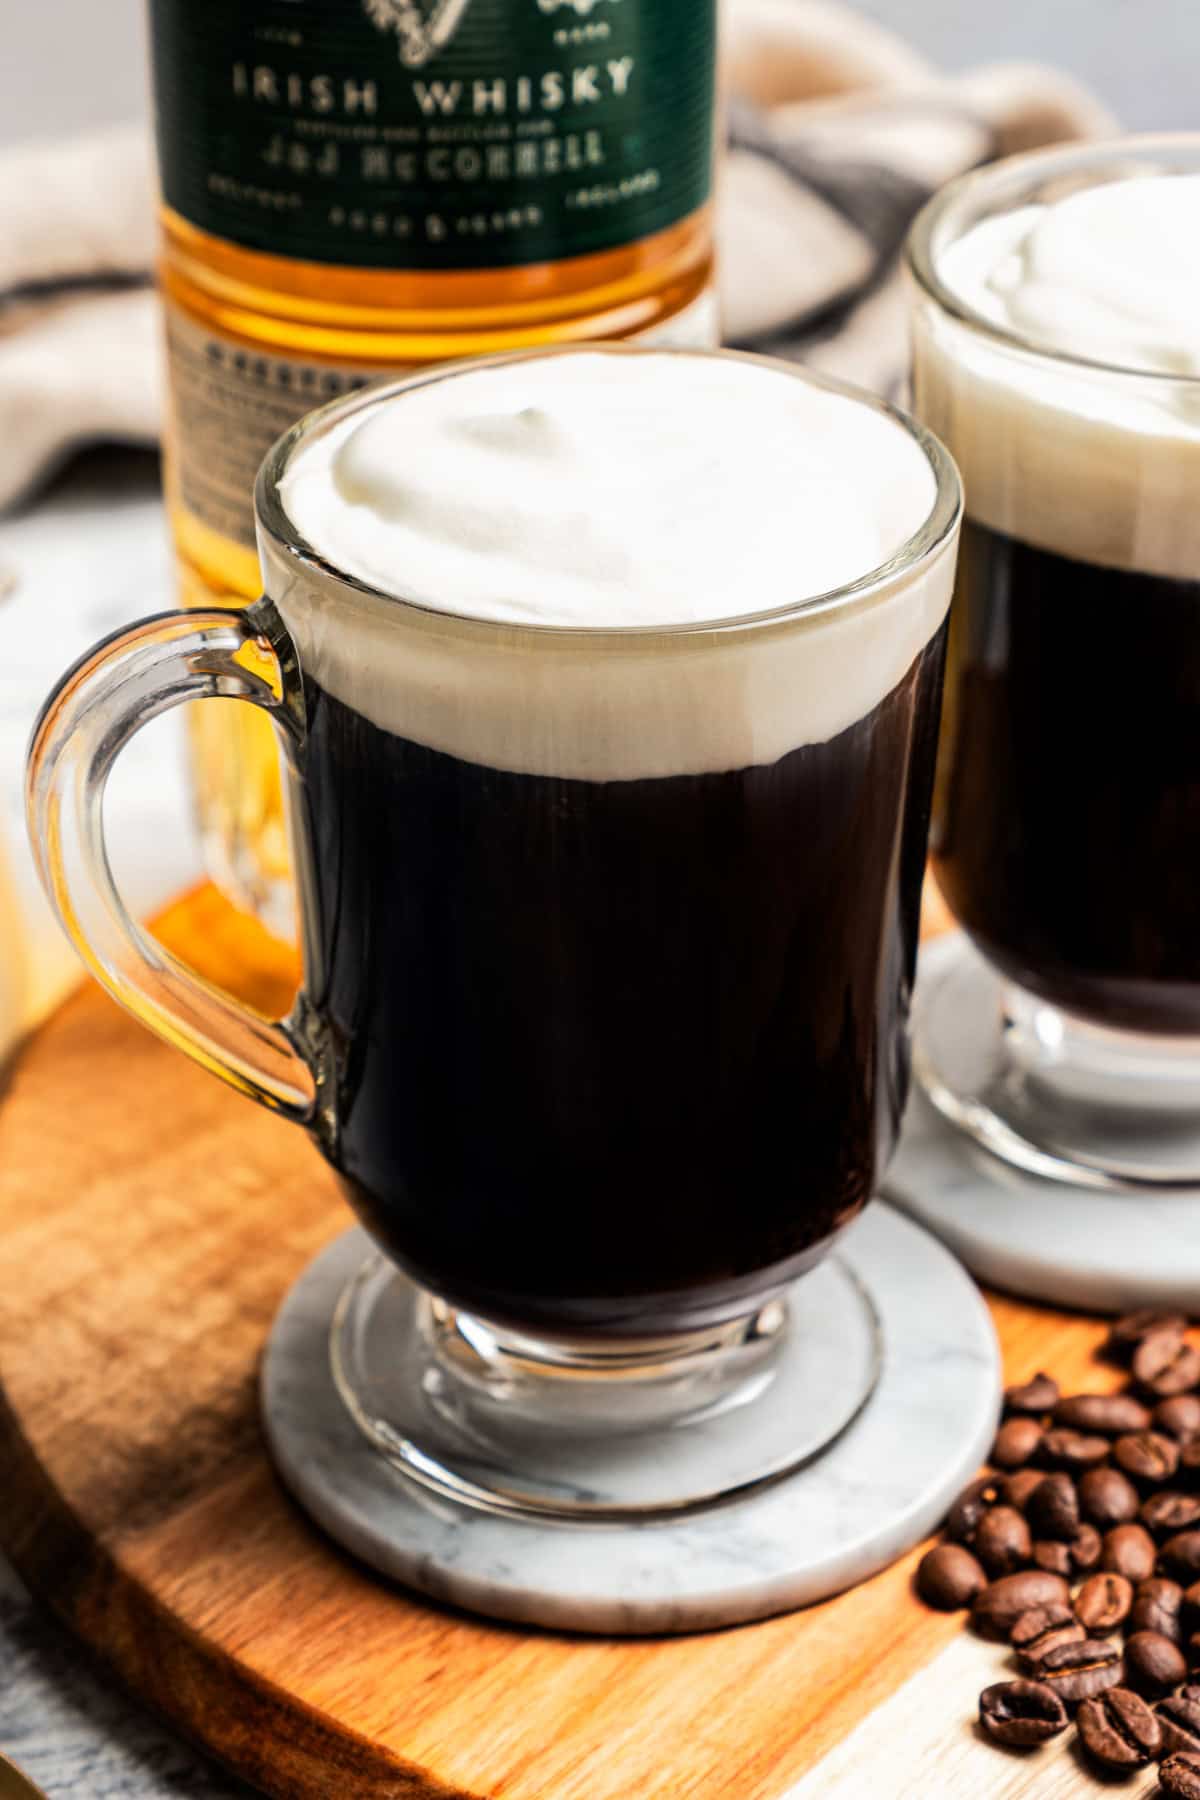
column 1119, row 1731
column 1054, row 1557
column 1181, row 1554
column 1081, row 1670
column 1040, row 1630
column 1016, row 1443
column 1053, row 1508
column 969, row 1508
column 1002, row 1541
column 1072, row 1560
column 1157, row 1606
column 1179, row 1717
column 1072, row 1450
column 1153, row 1664
column 1166, row 1513
column 1034, row 1397
column 1019, row 1486
column 1021, row 1713
column 996, row 1610
column 1087, row 1549
column 949, row 1577
column 1146, row 1456
column 1081, row 1487
column 1107, row 1498
column 1179, row 1416
column 1104, row 1602
column 1166, row 1364
column 1179, row 1776
column 1129, row 1550
column 1111, row 1415
column 1127, row 1333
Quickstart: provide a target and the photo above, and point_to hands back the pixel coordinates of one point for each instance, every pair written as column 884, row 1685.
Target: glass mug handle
column 97, row 707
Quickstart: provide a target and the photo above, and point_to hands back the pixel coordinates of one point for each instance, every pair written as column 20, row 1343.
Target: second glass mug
column 1066, row 828
column 603, row 1066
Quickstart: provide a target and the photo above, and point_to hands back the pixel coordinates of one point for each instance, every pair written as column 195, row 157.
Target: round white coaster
column 1101, row 1251
column 882, row 1486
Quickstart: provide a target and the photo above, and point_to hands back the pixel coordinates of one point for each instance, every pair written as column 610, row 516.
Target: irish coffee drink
column 609, row 684
column 1057, row 350
column 617, row 939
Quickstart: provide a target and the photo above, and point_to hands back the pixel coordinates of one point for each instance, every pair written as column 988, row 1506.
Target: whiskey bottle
column 354, row 188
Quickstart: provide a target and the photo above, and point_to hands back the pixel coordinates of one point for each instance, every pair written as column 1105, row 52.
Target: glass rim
column 921, row 251
column 936, row 530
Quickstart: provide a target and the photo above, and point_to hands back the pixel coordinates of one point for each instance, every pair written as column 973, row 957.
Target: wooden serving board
column 150, row 1223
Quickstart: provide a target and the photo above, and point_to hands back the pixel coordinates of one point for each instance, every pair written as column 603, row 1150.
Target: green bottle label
column 434, row 134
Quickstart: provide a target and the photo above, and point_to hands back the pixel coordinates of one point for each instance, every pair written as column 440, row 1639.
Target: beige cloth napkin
column 838, row 132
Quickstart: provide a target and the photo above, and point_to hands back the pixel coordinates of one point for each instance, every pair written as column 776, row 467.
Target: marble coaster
column 882, row 1486
column 1106, row 1252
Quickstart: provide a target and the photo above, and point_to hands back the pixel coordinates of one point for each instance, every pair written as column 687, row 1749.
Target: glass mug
column 602, row 1065
column 1066, row 830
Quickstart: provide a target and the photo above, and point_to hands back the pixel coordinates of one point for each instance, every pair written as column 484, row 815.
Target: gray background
column 69, row 63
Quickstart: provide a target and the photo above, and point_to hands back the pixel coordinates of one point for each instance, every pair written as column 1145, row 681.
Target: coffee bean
column 1021, row 1713
column 1153, row 1664
column 1072, row 1450
column 1016, row 1443
column 1165, row 1513
column 1127, row 1333
column 1087, row 1549
column 1104, row 1602
column 1040, row 1630
column 970, row 1507
column 996, row 1610
column 1119, row 1731
column 1179, row 1416
column 1019, row 1486
column 1053, row 1508
column 1181, row 1554
column 1166, row 1364
column 1179, row 1717
column 1191, row 1651
column 1107, row 1497
column 949, row 1577
column 1157, row 1606
column 1081, row 1670
column 1189, row 1460
column 1129, row 1550
column 1109, row 1414
column 1179, row 1776
column 1054, row 1557
column 1147, row 1456
column 1003, row 1542
column 1035, row 1397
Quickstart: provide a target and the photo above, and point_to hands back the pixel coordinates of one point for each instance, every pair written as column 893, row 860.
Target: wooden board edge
column 277, row 1744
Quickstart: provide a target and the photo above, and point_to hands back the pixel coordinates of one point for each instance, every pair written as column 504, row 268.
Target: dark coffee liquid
column 616, row 1054
column 1067, row 825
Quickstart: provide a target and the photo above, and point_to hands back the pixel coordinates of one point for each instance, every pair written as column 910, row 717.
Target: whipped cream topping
column 1111, row 273
column 600, row 489
column 1100, row 464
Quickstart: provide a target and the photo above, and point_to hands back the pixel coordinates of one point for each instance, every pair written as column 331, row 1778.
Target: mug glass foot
column 1051, row 1093
column 586, row 1429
